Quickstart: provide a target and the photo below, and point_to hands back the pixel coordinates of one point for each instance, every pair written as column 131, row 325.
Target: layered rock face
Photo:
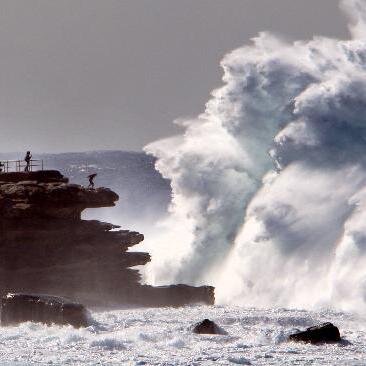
column 45, row 247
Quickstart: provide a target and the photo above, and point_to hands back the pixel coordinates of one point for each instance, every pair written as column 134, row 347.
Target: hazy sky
column 113, row 74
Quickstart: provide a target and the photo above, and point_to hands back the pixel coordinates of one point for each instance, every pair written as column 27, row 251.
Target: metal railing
column 20, row 166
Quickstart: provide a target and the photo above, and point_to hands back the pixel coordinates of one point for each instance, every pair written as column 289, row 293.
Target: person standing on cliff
column 91, row 180
column 27, row 159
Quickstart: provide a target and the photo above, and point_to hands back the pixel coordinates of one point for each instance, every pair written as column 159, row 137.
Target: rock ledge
column 45, row 247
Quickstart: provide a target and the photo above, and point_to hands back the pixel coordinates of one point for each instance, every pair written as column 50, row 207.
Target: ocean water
column 267, row 202
column 163, row 336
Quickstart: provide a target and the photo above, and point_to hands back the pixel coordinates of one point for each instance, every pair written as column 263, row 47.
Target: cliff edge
column 45, row 247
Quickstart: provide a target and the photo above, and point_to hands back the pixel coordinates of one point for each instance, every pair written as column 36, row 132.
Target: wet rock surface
column 324, row 333
column 207, row 326
column 45, row 247
column 19, row 308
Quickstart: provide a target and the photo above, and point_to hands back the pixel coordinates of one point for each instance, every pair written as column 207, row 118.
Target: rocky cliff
column 45, row 247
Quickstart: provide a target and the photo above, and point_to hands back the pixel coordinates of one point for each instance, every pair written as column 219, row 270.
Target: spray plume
column 269, row 198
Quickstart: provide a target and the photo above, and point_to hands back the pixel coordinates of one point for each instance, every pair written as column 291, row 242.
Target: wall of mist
column 269, row 181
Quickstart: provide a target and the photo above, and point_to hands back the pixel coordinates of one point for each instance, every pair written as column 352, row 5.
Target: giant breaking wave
column 269, row 183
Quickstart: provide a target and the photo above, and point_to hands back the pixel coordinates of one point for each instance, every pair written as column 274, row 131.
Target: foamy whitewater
column 268, row 205
column 164, row 337
column 269, row 183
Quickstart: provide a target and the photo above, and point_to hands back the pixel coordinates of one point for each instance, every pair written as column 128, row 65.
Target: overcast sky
column 113, row 74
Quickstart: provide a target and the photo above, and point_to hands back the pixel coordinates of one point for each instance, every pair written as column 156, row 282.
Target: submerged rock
column 19, row 308
column 324, row 333
column 207, row 326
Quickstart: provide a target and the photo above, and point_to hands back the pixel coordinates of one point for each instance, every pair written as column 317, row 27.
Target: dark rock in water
column 207, row 326
column 18, row 308
column 324, row 333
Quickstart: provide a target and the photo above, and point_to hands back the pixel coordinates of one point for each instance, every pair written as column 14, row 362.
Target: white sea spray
column 268, row 182
column 164, row 337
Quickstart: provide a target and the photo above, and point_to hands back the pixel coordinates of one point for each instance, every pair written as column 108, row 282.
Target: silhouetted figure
column 27, row 159
column 91, row 180
column 2, row 165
